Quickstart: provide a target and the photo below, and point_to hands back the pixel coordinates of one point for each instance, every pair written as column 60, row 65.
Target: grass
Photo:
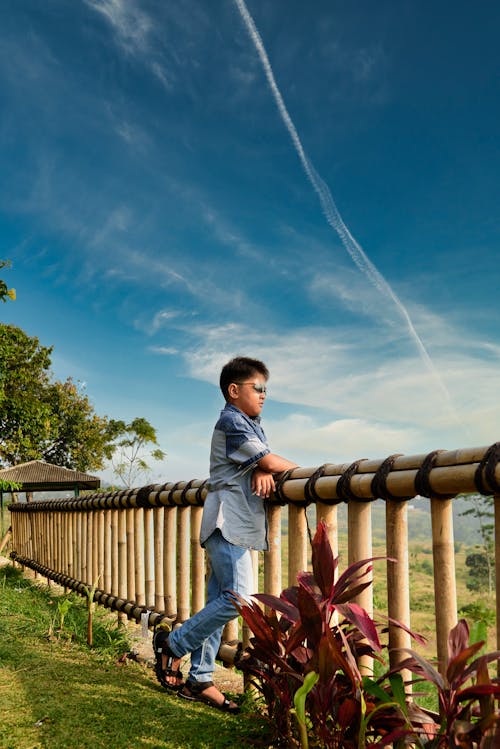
column 55, row 691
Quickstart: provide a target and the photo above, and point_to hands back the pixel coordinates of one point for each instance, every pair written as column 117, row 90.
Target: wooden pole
column 297, row 542
column 170, row 561
column 183, row 547
column 359, row 546
column 108, row 545
column 398, row 579
column 328, row 514
column 140, row 591
column 497, row 570
column 149, row 561
column 197, row 562
column 158, row 555
column 129, row 520
column 445, row 595
column 272, row 557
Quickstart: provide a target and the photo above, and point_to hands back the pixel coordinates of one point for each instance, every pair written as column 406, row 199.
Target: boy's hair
column 239, row 369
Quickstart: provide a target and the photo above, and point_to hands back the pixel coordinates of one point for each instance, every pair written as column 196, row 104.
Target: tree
column 5, row 292
column 131, row 454
column 45, row 419
column 481, row 564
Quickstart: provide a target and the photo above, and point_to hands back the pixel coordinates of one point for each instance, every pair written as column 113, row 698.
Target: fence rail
column 140, row 546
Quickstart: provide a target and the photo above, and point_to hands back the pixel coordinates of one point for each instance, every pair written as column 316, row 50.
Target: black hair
column 238, row 369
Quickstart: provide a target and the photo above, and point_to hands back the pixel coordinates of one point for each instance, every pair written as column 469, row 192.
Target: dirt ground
column 227, row 679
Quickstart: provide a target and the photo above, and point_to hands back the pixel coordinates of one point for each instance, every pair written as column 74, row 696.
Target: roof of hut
column 38, row 476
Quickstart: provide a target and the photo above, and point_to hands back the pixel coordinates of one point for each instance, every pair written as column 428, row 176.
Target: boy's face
column 249, row 395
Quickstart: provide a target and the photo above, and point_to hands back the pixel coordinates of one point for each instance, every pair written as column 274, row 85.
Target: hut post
column 445, row 595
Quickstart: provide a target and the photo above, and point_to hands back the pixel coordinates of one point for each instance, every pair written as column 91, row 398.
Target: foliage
column 9, row 486
column 324, row 632
column 130, row 457
column 481, row 565
column 41, row 419
column 466, row 711
column 5, row 292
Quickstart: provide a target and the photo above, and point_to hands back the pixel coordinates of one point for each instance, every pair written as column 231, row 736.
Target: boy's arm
column 262, row 477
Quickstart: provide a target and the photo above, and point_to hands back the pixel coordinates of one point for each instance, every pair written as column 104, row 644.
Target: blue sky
column 313, row 184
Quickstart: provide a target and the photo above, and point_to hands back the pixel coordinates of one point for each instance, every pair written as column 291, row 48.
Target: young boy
column 234, row 522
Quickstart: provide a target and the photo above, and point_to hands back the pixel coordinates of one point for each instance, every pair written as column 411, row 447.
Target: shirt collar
column 230, row 407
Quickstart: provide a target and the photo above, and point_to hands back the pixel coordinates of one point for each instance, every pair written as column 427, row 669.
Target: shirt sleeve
column 243, row 445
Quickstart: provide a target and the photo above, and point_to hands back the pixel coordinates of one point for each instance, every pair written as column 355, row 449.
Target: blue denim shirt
column 238, row 442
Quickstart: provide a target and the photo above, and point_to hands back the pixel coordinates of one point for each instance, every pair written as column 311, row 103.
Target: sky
column 311, row 184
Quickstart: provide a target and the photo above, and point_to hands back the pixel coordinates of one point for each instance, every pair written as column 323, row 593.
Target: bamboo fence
column 140, row 548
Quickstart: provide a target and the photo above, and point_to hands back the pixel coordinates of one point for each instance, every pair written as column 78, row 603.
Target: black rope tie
column 310, row 493
column 142, row 497
column 199, row 491
column 422, row 478
column 184, row 500
column 344, row 491
column 279, row 496
column 488, row 465
column 378, row 486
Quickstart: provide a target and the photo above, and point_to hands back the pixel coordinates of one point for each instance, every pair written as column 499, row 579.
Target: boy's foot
column 167, row 667
column 207, row 692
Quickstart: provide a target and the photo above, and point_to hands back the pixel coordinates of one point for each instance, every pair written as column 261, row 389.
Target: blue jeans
column 231, row 571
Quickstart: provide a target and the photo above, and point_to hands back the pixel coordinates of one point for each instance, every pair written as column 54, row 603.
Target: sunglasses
column 258, row 388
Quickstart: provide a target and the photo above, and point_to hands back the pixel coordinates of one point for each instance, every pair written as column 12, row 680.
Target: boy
column 234, row 522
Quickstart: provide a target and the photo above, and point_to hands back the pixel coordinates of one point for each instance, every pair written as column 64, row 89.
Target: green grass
column 56, row 692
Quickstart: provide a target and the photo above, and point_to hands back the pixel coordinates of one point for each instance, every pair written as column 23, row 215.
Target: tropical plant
column 304, row 656
column 467, row 716
column 321, row 630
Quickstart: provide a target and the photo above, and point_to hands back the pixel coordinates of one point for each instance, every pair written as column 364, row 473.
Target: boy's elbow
column 275, row 463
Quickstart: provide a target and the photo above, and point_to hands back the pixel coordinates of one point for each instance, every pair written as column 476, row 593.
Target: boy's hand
column 262, row 483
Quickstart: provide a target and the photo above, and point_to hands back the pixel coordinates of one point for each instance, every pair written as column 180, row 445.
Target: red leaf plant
column 322, row 629
column 467, row 716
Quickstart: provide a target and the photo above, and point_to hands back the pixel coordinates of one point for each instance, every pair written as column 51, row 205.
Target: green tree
column 41, row 419
column 5, row 292
column 132, row 450
column 481, row 564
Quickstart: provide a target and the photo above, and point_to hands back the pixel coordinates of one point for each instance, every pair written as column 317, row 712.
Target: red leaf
column 288, row 610
column 458, row 663
column 458, row 639
column 361, row 619
column 310, row 614
column 323, row 561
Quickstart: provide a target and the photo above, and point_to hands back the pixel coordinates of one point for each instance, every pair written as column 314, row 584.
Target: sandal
column 161, row 648
column 193, row 691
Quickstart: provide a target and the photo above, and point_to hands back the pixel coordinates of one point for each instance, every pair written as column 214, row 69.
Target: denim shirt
column 238, row 442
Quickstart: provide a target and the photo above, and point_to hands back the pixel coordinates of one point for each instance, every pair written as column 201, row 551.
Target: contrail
column 328, row 206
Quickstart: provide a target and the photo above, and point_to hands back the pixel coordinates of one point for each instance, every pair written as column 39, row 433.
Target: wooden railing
column 140, row 546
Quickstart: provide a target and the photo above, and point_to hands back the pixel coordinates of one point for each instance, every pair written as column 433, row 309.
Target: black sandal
column 193, row 691
column 161, row 648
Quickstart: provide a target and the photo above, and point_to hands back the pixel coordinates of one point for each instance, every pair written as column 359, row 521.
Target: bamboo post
column 359, row 546
column 445, row 595
column 183, row 547
column 83, row 546
column 497, row 570
column 140, row 593
column 149, row 561
column 107, row 552
column 114, row 552
column 197, row 562
column 297, row 542
column 122, row 561
column 272, row 557
column 130, row 553
column 328, row 514
column 169, row 561
column 90, row 560
column 158, row 555
column 95, row 547
column 398, row 587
